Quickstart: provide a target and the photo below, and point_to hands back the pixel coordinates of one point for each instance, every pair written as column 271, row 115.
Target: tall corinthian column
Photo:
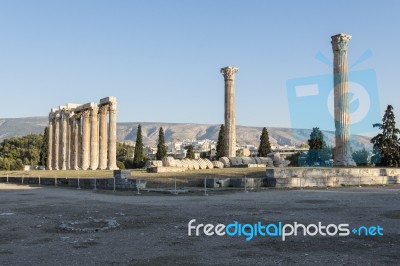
column 64, row 139
column 85, row 140
column 78, row 138
column 341, row 101
column 72, row 143
column 112, row 139
column 94, row 138
column 56, row 146
column 50, row 142
column 103, row 137
column 230, row 114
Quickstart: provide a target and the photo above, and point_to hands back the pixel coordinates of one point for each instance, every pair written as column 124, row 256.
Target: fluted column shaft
column 78, row 136
column 56, row 146
column 72, row 143
column 230, row 113
column 341, row 101
column 50, row 142
column 64, row 140
column 112, row 139
column 94, row 138
column 103, row 137
column 86, row 140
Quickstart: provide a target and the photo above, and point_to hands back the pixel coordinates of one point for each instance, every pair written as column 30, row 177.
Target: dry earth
column 64, row 226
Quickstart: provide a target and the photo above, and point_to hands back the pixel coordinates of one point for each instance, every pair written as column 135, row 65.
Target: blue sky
column 161, row 59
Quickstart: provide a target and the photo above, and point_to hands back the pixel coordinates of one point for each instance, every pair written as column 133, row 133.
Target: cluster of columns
column 230, row 113
column 343, row 156
column 83, row 136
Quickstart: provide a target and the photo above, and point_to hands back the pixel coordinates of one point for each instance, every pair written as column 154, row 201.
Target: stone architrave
column 85, row 140
column 56, row 145
column 50, row 142
column 112, row 138
column 230, row 113
column 341, row 101
column 103, row 137
column 94, row 138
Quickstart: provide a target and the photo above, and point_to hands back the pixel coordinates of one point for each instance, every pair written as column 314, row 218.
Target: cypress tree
column 138, row 154
column 161, row 148
column 221, row 143
column 318, row 148
column 44, row 149
column 386, row 144
column 265, row 146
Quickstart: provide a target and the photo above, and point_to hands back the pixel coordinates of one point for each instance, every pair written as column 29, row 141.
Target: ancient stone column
column 72, row 145
column 78, row 138
column 85, row 140
column 230, row 114
column 64, row 139
column 94, row 138
column 341, row 101
column 50, row 142
column 112, row 139
column 56, row 145
column 103, row 137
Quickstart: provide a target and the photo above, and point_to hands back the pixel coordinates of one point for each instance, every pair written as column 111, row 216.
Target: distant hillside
column 178, row 132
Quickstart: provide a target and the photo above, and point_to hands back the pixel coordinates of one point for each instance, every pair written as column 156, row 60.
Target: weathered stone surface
column 178, row 163
column 235, row 161
column 202, row 163
column 225, row 161
column 258, row 160
column 267, row 161
column 250, row 182
column 169, row 161
column 217, row 164
column 154, row 163
column 209, row 164
column 163, row 169
column 196, row 165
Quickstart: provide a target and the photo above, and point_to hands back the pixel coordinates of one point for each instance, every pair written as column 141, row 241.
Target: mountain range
column 174, row 132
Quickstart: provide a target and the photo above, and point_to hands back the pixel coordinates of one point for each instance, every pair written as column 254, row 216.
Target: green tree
column 138, row 154
column 161, row 148
column 17, row 151
column 318, row 152
column 221, row 143
column 361, row 157
column 265, row 146
column 124, row 154
column 386, row 144
column 190, row 152
column 45, row 147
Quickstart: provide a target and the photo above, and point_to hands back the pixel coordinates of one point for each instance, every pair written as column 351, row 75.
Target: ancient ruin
column 83, row 136
column 341, row 101
column 230, row 114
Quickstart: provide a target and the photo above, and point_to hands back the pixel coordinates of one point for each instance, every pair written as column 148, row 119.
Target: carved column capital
column 86, row 113
column 229, row 72
column 340, row 42
column 103, row 109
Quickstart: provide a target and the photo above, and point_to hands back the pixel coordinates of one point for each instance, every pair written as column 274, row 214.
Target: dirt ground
column 65, row 226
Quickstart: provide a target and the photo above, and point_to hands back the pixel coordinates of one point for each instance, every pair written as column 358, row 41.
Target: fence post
column 205, row 187
column 95, row 184
column 55, row 180
column 175, row 193
column 22, row 180
column 7, row 178
column 137, row 187
column 79, row 184
column 114, row 182
column 245, row 184
column 39, row 180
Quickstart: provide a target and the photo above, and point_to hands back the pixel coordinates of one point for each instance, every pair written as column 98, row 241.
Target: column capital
column 86, row 113
column 94, row 110
column 340, row 42
column 229, row 72
column 103, row 109
column 113, row 107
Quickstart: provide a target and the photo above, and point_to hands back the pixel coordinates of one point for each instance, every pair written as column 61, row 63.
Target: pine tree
column 265, row 146
column 138, row 154
column 190, row 152
column 221, row 143
column 161, row 148
column 387, row 143
column 318, row 151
